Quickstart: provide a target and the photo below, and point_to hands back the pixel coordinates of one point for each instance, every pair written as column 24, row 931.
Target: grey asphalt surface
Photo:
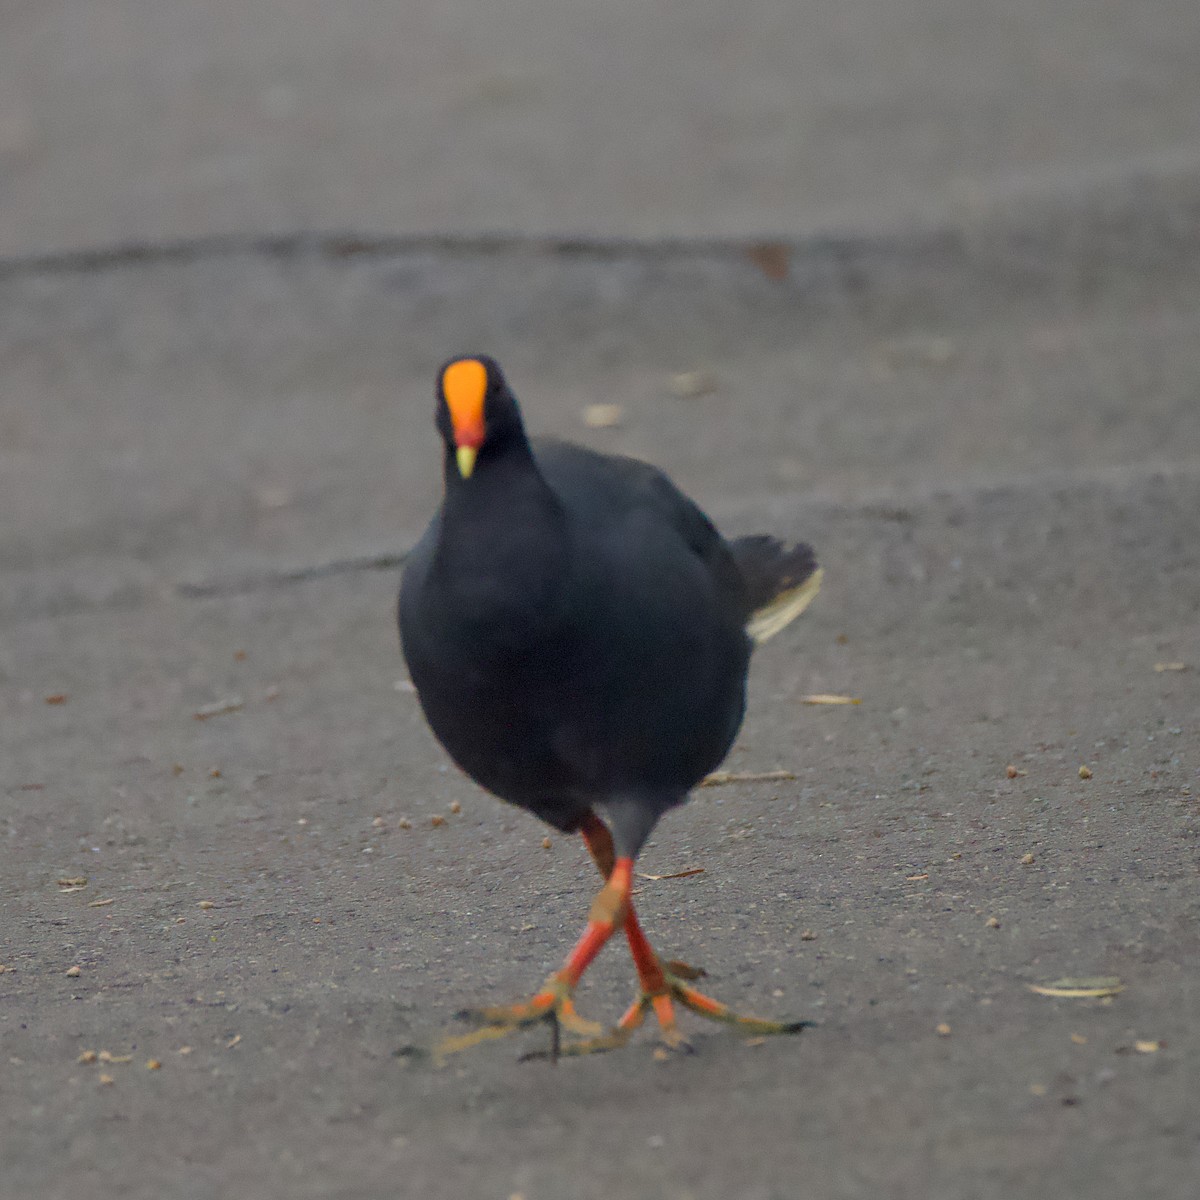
column 135, row 120
column 942, row 270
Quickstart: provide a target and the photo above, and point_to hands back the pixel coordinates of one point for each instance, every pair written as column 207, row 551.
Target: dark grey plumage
column 576, row 627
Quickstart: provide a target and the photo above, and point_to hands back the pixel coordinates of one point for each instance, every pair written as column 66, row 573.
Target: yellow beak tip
column 466, row 456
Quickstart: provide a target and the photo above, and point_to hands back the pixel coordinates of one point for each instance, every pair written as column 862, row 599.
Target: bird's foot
column 660, row 1001
column 553, row 1004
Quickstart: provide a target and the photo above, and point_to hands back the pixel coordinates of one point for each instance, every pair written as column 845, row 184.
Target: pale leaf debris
column 219, row 707
column 1092, row 987
column 829, row 698
column 721, row 778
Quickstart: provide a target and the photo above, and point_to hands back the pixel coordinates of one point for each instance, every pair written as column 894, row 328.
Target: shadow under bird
column 578, row 633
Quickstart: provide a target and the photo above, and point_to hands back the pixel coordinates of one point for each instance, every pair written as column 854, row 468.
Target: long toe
column 553, row 1004
column 714, row 1010
column 614, row 1039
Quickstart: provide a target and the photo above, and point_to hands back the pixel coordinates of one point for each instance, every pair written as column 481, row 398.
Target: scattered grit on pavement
column 243, row 888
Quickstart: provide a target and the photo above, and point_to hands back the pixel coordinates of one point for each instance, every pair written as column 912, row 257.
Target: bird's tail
column 780, row 580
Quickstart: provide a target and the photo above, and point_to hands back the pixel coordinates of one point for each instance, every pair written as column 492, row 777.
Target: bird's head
column 476, row 412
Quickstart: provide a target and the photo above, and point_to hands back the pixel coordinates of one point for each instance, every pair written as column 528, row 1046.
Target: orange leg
column 659, row 984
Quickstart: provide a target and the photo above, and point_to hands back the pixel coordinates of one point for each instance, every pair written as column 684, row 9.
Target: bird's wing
column 588, row 481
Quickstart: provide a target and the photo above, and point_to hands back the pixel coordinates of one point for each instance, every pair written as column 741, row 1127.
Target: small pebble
column 436, row 820
column 105, row 1081
column 88, row 1056
column 152, row 1064
column 74, row 972
column 274, row 497
column 546, row 843
column 689, row 384
column 603, row 416
column 404, row 823
column 1011, row 771
column 206, row 904
column 993, row 922
column 1085, row 772
column 808, row 936
column 1026, row 860
column 943, row 1030
column 455, row 807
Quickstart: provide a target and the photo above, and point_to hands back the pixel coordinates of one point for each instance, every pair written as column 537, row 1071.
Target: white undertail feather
column 767, row 621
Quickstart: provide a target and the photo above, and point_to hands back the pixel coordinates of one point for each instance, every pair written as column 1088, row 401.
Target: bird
column 578, row 634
